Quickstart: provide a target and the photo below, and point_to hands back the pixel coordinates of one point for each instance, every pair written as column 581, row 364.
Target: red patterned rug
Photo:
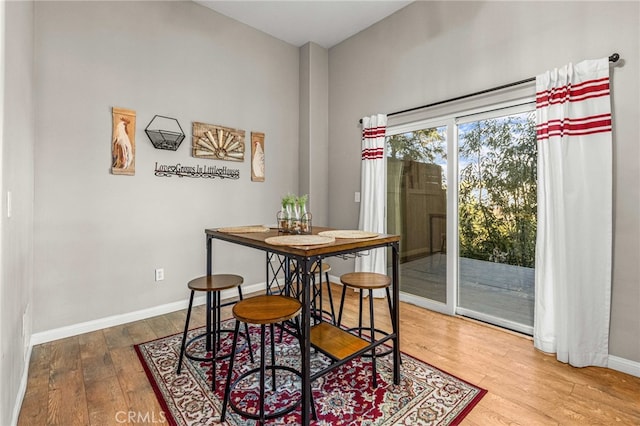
column 425, row 395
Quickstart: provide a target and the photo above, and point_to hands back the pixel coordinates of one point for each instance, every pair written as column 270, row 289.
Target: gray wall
column 16, row 253
column 431, row 51
column 314, row 123
column 99, row 237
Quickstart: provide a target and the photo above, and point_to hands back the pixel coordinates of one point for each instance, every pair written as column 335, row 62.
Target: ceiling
column 323, row 22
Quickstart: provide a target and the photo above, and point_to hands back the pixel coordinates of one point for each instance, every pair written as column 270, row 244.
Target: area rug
column 345, row 396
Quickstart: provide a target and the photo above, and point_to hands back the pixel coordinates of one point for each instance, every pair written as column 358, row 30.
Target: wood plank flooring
column 96, row 378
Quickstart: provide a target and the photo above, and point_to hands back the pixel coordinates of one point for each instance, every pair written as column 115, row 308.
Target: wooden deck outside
column 491, row 288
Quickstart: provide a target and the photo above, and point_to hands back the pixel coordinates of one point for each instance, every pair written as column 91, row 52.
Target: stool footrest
column 195, row 357
column 335, row 342
column 274, row 414
column 208, row 357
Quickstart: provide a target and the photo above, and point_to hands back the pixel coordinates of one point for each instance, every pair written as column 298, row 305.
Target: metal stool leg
column 273, row 356
column 392, row 306
column 373, row 338
column 246, row 330
column 344, row 292
column 314, row 415
column 360, row 315
column 317, row 292
column 227, row 386
column 216, row 337
column 183, row 347
column 333, row 312
column 262, row 374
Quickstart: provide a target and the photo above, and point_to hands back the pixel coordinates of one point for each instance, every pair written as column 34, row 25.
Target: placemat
column 299, row 240
column 348, row 233
column 244, row 229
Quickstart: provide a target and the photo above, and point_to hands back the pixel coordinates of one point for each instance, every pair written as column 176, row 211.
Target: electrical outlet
column 159, row 274
column 356, row 197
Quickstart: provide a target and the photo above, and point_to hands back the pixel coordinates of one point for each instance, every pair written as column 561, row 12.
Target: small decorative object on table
column 294, row 218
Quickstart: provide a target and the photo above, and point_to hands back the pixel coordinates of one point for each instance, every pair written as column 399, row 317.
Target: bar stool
column 213, row 286
column 367, row 281
column 317, row 308
column 262, row 310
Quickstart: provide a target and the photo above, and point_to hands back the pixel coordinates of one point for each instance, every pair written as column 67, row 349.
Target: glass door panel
column 417, row 209
column 497, row 219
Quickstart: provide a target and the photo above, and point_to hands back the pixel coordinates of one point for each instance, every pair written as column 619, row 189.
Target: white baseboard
column 89, row 326
column 624, row 365
column 22, row 389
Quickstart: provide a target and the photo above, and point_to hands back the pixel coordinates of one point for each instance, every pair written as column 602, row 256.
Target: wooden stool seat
column 216, row 282
column 366, row 280
column 266, row 309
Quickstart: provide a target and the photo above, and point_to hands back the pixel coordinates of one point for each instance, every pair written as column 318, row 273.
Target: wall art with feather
column 123, row 142
column 257, row 156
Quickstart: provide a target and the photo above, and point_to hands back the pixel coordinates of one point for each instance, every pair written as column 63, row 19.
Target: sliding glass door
column 417, row 207
column 461, row 191
column 497, row 217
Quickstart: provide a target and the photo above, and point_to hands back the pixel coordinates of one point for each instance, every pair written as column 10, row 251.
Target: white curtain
column 372, row 192
column 573, row 248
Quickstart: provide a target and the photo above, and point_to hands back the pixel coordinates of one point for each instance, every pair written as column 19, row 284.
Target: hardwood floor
column 96, row 378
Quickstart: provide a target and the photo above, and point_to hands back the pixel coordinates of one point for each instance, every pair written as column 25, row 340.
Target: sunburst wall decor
column 217, row 142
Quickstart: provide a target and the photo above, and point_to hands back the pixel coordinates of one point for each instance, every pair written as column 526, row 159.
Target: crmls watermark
column 147, row 417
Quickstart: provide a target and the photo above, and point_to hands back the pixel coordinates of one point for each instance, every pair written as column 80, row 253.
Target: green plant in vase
column 287, row 203
column 301, row 204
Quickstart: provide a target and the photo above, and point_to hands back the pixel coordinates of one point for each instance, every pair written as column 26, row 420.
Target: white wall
column 432, row 51
column 99, row 237
column 16, row 253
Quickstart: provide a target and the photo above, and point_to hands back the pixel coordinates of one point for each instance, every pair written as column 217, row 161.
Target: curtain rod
column 613, row 58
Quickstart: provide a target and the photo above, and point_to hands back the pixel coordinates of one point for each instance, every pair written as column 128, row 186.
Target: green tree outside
column 497, row 192
column 418, row 146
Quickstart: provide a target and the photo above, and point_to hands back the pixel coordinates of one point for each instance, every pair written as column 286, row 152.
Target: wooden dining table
column 340, row 345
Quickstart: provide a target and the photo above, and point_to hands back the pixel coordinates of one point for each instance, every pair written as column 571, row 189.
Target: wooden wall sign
column 257, row 157
column 123, row 142
column 217, row 142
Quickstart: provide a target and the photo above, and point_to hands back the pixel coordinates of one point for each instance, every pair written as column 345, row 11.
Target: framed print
column 257, row 157
column 123, row 142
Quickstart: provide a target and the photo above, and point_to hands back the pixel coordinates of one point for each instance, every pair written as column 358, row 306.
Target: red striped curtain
column 574, row 243
column 372, row 190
